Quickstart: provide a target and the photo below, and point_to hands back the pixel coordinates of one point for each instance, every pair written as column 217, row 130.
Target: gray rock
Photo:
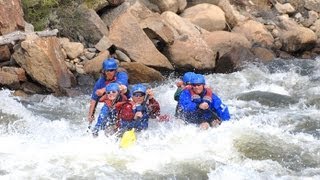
column 268, row 98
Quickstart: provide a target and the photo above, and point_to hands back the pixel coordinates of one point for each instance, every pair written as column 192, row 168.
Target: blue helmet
column 187, row 77
column 198, row 79
column 109, row 64
column 112, row 87
column 139, row 88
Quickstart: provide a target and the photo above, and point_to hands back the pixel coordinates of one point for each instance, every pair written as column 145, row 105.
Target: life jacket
column 153, row 108
column 128, row 110
column 113, row 108
column 205, row 96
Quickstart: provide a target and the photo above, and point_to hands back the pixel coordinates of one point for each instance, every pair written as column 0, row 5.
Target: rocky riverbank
column 150, row 39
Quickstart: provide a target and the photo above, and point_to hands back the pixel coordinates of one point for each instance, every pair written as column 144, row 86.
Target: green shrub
column 37, row 12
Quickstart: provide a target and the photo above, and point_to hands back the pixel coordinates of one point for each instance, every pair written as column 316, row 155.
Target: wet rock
column 233, row 60
column 127, row 35
column 314, row 102
column 263, row 54
column 268, row 98
column 32, row 88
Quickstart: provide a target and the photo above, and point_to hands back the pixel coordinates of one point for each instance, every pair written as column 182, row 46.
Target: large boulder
column 223, row 41
column 207, row 16
column 256, row 33
column 153, row 25
column 265, row 55
column 43, row 60
column 312, row 5
column 294, row 37
column 191, row 52
column 233, row 60
column 11, row 16
column 299, row 39
column 175, row 6
column 139, row 73
column 127, row 35
column 113, row 13
column 181, row 25
column 86, row 26
column 232, row 15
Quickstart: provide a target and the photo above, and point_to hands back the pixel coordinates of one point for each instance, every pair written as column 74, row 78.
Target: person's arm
column 100, row 92
column 94, row 99
column 177, row 94
column 100, row 84
column 186, row 103
column 122, row 78
column 220, row 108
column 92, row 108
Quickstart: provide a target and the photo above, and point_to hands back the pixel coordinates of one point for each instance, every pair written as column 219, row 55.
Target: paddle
column 128, row 139
column 94, row 111
column 89, row 128
column 215, row 116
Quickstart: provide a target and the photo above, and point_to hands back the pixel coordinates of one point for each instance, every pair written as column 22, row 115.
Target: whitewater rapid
column 274, row 133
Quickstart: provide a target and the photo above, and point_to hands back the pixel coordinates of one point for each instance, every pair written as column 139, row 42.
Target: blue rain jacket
column 120, row 78
column 191, row 112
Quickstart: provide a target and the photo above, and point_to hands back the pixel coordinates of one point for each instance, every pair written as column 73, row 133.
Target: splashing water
column 274, row 133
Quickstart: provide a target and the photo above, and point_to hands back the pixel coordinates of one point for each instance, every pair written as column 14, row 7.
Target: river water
column 274, row 133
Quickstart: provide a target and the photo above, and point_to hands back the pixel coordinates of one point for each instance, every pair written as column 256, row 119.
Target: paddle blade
column 128, row 139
